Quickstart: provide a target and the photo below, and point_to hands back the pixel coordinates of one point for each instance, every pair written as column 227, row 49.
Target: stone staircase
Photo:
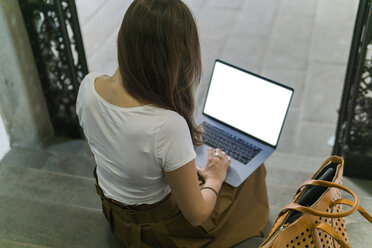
column 48, row 197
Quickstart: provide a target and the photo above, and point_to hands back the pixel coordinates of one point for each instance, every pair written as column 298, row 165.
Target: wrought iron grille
column 56, row 41
column 354, row 130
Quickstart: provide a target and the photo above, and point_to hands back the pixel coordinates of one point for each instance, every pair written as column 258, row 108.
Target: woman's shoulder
column 170, row 115
column 172, row 122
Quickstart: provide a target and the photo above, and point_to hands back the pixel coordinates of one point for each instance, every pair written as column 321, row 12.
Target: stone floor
column 47, row 193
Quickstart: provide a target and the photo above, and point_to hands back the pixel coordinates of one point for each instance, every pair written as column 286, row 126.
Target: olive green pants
column 240, row 213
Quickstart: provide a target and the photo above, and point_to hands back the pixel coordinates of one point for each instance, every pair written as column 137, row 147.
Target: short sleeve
column 174, row 144
column 81, row 100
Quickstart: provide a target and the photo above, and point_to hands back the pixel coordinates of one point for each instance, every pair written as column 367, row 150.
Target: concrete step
column 52, row 225
column 294, row 162
column 13, row 244
column 74, row 146
column 46, row 186
column 251, row 243
column 359, row 234
column 65, row 162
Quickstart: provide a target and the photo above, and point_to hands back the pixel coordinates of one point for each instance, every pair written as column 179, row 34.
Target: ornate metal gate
column 54, row 32
column 354, row 130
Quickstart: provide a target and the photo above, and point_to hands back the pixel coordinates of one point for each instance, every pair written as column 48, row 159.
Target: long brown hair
column 159, row 57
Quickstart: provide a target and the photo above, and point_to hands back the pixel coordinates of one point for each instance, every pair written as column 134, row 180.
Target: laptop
column 243, row 115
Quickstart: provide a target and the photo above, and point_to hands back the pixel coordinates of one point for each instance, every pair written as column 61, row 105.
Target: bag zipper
column 277, row 232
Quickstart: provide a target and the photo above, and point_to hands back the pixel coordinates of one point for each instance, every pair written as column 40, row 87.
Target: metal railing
column 54, row 32
column 354, row 129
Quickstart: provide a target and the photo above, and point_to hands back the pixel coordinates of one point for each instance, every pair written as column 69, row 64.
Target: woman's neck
column 116, row 76
column 117, row 79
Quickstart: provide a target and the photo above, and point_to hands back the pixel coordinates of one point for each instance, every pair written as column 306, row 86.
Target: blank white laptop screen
column 246, row 102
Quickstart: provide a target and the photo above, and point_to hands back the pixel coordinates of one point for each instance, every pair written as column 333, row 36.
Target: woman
column 140, row 127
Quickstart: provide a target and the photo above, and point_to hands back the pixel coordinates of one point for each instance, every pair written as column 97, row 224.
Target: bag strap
column 361, row 210
column 327, row 228
column 295, row 206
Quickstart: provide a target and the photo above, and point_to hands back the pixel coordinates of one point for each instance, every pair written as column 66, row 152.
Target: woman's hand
column 216, row 166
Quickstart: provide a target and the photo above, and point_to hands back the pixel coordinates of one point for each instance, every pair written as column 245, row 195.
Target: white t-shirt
column 132, row 147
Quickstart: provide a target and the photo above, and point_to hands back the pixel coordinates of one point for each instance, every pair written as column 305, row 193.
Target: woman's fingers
column 210, row 153
column 227, row 161
column 218, row 155
column 216, row 166
column 223, row 156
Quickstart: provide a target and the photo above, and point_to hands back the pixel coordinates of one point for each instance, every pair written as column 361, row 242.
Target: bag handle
column 298, row 207
column 327, row 228
column 361, row 210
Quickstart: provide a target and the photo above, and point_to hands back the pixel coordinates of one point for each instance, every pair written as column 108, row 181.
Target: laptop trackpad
column 201, row 155
column 201, row 160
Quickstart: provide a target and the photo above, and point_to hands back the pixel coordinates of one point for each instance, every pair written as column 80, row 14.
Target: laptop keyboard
column 233, row 146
